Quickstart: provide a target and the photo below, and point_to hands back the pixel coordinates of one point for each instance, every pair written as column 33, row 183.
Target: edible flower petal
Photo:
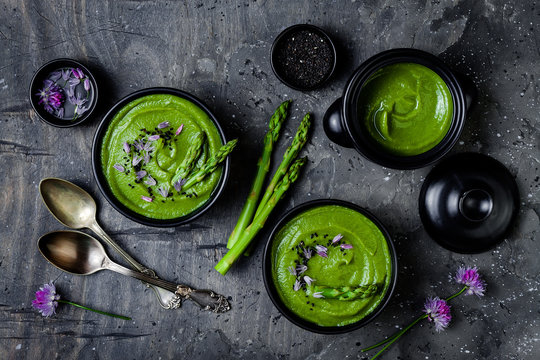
column 318, row 295
column 320, row 248
column 150, row 181
column 146, row 158
column 119, row 167
column 301, row 269
column 179, row 130
column 337, row 238
column 136, row 160
column 322, row 254
column 178, row 185
column 163, row 191
column 308, row 280
column 292, row 270
column 46, row 300
column 163, row 125
column 146, row 198
column 55, row 75
column 438, row 311
column 346, row 246
column 87, row 84
column 297, row 285
column 127, row 148
column 307, row 253
column 153, row 137
column 141, row 174
column 470, row 277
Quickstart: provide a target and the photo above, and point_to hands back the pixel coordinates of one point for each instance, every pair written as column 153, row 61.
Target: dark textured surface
column 219, row 51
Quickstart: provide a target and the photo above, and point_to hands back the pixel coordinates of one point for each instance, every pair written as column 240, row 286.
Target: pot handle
column 469, row 89
column 332, row 125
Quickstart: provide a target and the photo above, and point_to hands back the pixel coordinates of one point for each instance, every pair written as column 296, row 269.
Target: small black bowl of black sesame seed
column 303, row 57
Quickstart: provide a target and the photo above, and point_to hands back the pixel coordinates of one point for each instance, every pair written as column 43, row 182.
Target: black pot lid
column 468, row 202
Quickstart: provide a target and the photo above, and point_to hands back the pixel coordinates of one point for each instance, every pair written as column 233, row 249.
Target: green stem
column 457, row 294
column 399, row 334
column 96, row 311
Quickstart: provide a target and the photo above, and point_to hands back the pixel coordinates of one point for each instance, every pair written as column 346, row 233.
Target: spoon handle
column 206, row 299
column 167, row 298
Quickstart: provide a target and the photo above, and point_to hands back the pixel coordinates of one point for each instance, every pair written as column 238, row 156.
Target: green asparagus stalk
column 193, row 153
column 252, row 230
column 290, row 155
column 344, row 293
column 246, row 216
column 210, row 165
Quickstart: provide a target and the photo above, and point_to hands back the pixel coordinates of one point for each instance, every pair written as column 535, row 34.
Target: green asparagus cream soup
column 331, row 265
column 143, row 151
column 406, row 108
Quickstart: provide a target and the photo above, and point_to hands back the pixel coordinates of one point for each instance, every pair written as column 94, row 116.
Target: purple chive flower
column 179, row 130
column 438, row 311
column 163, row 125
column 301, row 269
column 127, row 148
column 308, row 280
column 297, row 285
column 146, row 198
column 119, row 167
column 307, row 253
column 136, row 160
column 65, row 75
column 470, row 277
column 140, row 174
column 146, row 158
column 60, row 113
column 150, row 181
column 46, row 300
column 87, row 84
column 54, row 76
column 178, row 185
column 337, row 238
column 51, row 96
column 153, row 137
column 346, row 246
column 77, row 73
column 321, row 251
column 74, row 82
column 148, row 146
column 292, row 270
column 318, row 295
column 79, row 100
column 138, row 144
column 82, row 109
column 163, row 191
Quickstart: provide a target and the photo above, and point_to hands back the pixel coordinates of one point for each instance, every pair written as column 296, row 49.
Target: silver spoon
column 76, row 209
column 78, row 253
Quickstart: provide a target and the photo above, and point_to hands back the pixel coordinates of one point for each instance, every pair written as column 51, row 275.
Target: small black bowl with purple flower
column 63, row 93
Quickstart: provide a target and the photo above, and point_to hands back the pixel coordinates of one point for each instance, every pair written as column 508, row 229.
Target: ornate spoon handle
column 206, row 299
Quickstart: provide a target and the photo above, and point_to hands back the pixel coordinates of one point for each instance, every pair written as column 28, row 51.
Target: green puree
column 368, row 262
column 406, row 108
column 139, row 120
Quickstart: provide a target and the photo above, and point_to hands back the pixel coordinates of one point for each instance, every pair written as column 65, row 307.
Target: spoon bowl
column 69, row 204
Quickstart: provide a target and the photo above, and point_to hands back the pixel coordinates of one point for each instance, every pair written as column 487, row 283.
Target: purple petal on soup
column 146, row 198
column 146, row 158
column 127, row 148
column 297, row 285
column 118, row 167
column 153, row 137
column 346, row 246
column 320, row 248
column 292, row 270
column 322, row 254
column 141, row 174
column 150, row 181
column 163, row 191
column 138, row 144
column 178, row 185
column 179, row 130
column 318, row 295
column 337, row 238
column 136, row 160
column 308, row 280
column 163, row 125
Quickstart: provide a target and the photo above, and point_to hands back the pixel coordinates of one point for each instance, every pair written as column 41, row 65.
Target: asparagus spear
column 210, row 165
column 290, row 155
column 246, row 216
column 193, row 153
column 344, row 293
column 251, row 231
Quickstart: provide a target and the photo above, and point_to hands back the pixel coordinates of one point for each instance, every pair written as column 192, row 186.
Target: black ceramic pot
column 342, row 126
column 271, row 288
column 102, row 181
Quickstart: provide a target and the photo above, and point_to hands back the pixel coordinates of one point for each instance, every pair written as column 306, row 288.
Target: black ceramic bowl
column 278, row 66
column 271, row 288
column 104, row 186
column 342, row 126
column 37, row 83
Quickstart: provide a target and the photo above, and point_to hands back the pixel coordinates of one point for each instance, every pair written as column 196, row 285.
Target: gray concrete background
column 219, row 51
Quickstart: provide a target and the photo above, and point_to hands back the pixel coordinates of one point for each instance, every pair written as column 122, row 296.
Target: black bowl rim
column 102, row 182
column 51, row 119
column 299, row 27
column 271, row 289
column 399, row 55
